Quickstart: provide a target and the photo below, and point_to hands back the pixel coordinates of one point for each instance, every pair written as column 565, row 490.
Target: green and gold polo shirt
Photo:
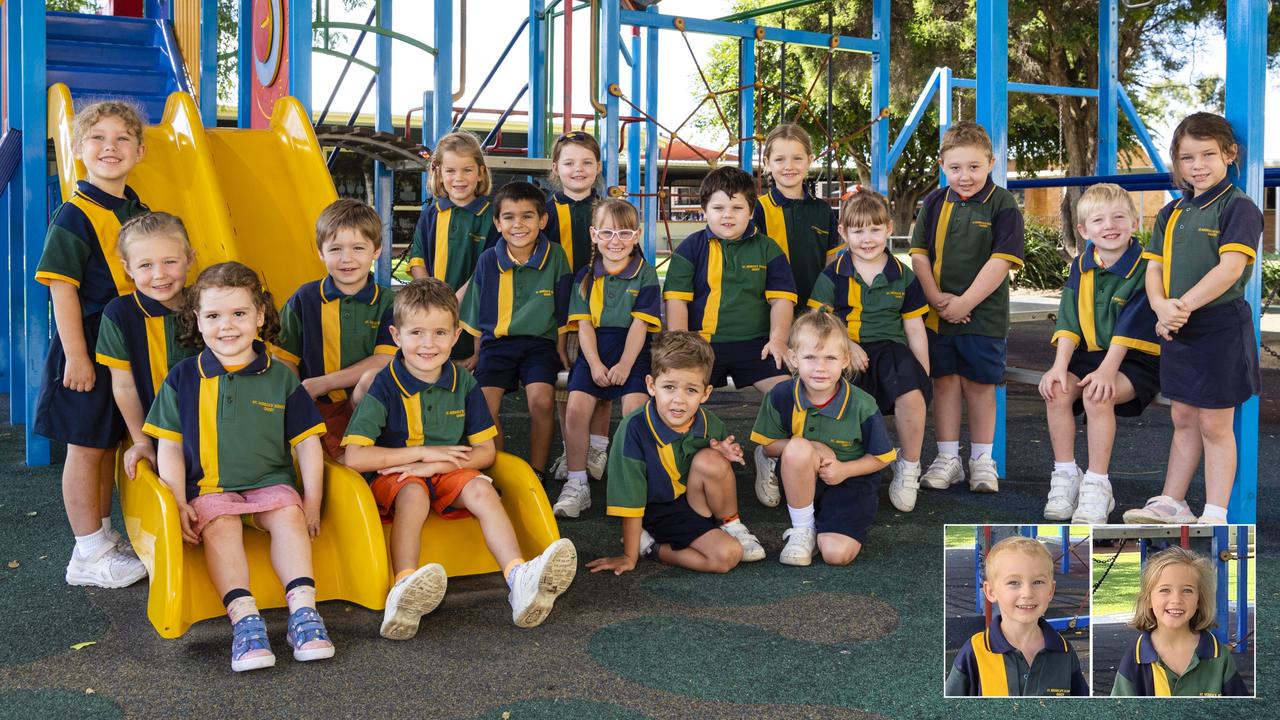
column 872, row 311
column 1105, row 305
column 1212, row 672
column 140, row 335
column 448, row 238
column 402, row 411
column 615, row 300
column 989, row 666
column 849, row 423
column 649, row 461
column 805, row 229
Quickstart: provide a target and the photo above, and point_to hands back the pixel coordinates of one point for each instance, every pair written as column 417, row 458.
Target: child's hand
column 777, row 349
column 186, row 522
column 619, row 373
column 470, row 362
column 1172, row 313
column 138, row 451
column 859, row 357
column 418, row 469
column 600, row 375
column 831, row 471
column 1055, row 376
column 618, row 564
column 79, row 374
column 730, row 449
column 311, row 512
column 314, row 387
column 957, row 311
column 1163, row 332
column 1099, row 385
column 942, row 301
column 454, row 455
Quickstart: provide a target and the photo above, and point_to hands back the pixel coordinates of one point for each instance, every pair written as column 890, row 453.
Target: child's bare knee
column 709, row 461
column 540, row 402
column 911, row 403
column 286, row 516
column 412, row 498
column 1184, row 415
column 726, row 557
column 478, row 490
column 1099, row 407
column 838, row 551
column 798, row 449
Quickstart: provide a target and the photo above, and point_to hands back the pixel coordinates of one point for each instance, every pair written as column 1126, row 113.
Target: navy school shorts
column 893, row 372
column 610, row 342
column 1212, row 362
column 741, row 361
column 88, row 419
column 675, row 523
column 848, row 508
column 1142, row 370
column 974, row 357
column 516, row 360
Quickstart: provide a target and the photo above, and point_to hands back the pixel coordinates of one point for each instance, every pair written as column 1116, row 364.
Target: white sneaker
column 574, row 498
column 107, row 568
column 752, row 550
column 802, row 545
column 903, row 487
column 648, row 546
column 560, row 468
column 1096, row 503
column 538, row 582
column 1064, row 491
column 121, row 543
column 410, row 599
column 1161, row 510
column 983, row 477
column 767, row 491
column 597, row 462
column 1211, row 520
column 944, row 472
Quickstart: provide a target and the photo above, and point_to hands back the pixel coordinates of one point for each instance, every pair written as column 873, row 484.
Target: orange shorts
column 337, row 415
column 443, row 489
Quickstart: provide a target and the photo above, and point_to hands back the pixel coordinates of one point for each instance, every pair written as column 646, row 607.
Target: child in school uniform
column 803, row 226
column 82, row 268
column 732, row 284
column 1175, row 654
column 518, row 307
column 616, row 304
column 1108, row 359
column 670, row 474
column 883, row 307
column 575, row 166
column 138, row 336
column 229, row 423
column 425, row 430
column 335, row 330
column 831, row 443
column 456, row 224
column 969, row 235
column 1201, row 248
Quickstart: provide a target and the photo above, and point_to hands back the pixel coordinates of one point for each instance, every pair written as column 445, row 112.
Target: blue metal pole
column 1064, row 532
column 538, row 80
column 244, row 85
column 977, row 569
column 747, row 101
column 913, row 119
column 209, row 63
column 383, row 187
column 442, row 109
column 35, row 216
column 1140, row 129
column 1221, row 544
column 651, row 143
column 1242, row 588
column 13, row 317
column 944, row 113
column 299, row 28
column 1143, row 545
column 1246, row 80
column 610, row 27
column 1108, row 81
column 633, row 137
column 993, row 80
column 880, row 31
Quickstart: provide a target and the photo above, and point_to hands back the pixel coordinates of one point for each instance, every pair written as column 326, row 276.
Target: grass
column 1119, row 591
column 961, row 536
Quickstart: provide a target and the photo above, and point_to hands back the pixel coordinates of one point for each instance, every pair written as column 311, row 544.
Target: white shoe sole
column 797, row 560
column 254, row 663
column 984, row 486
column 323, row 653
column 1049, row 515
column 85, row 580
column 557, row 573
column 422, row 595
column 1140, row 516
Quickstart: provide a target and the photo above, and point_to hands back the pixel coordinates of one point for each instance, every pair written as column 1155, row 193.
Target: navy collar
column 844, row 266
column 981, row 196
column 1123, row 267
column 1207, row 648
column 410, row 385
column 475, row 207
column 368, row 294
column 98, row 196
column 629, row 272
column 664, row 434
column 775, row 195
column 537, row 260
column 1207, row 197
column 835, row 408
column 562, row 198
column 150, row 307
column 210, row 366
column 996, row 642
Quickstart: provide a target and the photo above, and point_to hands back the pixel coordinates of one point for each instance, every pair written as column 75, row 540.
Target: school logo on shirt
column 267, row 406
column 1211, row 232
column 897, row 293
column 755, row 268
column 633, row 291
column 982, row 223
column 841, row 443
column 1119, row 300
column 476, row 238
column 546, row 293
column 1057, row 691
column 456, row 413
column 372, row 324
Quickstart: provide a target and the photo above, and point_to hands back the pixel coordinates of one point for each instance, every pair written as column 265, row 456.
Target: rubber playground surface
column 764, row 641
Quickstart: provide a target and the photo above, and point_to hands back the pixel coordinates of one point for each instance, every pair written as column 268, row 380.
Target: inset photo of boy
column 1174, row 610
column 1017, row 610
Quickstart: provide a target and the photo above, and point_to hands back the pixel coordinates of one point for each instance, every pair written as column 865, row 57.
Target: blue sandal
column 306, row 626
column 247, row 635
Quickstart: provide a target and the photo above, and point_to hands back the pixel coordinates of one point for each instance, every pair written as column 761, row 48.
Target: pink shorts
column 245, row 504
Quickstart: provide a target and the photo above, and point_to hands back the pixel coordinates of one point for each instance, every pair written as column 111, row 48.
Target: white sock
column 106, row 524
column 906, row 464
column 87, row 545
column 1104, row 480
column 578, row 476
column 1069, row 466
column 949, row 447
column 977, row 450
column 1215, row 511
column 600, row 442
column 801, row 517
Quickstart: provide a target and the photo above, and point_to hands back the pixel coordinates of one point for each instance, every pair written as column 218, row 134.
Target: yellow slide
column 253, row 196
